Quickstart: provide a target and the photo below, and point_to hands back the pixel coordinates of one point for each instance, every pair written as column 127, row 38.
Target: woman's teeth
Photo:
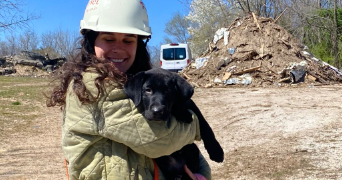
column 117, row 60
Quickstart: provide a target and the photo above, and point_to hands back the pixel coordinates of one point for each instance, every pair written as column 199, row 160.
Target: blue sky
column 66, row 15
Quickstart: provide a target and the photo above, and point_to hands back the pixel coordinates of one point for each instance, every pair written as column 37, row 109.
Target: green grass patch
column 24, row 88
column 16, row 103
column 20, row 101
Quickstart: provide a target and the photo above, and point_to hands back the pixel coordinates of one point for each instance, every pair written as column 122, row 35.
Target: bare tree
column 206, row 17
column 4, row 49
column 12, row 41
column 315, row 22
column 59, row 43
column 28, row 41
column 177, row 29
column 334, row 37
column 265, row 8
column 13, row 16
column 155, row 55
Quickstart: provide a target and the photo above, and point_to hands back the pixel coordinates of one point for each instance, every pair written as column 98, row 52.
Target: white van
column 174, row 57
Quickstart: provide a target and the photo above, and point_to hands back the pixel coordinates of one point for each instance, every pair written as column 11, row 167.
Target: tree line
column 315, row 23
column 55, row 44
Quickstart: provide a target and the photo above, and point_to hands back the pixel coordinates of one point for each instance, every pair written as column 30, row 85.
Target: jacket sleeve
column 125, row 124
column 115, row 117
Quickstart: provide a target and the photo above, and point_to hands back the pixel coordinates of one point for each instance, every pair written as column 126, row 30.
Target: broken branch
column 256, row 21
column 275, row 21
column 247, row 70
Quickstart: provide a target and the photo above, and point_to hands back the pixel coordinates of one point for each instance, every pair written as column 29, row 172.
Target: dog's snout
column 158, row 110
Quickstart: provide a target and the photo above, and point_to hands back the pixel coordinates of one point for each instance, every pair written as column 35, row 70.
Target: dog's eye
column 148, row 90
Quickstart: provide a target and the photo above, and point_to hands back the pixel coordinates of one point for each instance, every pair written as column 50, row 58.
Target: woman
column 104, row 135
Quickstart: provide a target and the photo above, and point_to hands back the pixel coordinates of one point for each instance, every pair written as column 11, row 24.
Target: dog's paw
column 217, row 157
column 215, row 151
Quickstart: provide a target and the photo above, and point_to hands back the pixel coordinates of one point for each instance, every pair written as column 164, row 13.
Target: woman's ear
column 133, row 88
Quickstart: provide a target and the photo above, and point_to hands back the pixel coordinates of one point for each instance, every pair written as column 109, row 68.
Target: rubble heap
column 29, row 64
column 258, row 52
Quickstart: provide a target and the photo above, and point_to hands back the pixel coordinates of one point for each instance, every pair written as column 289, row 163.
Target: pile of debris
column 256, row 51
column 29, row 64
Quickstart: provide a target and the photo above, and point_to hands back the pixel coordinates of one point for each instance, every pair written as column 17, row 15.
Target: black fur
column 161, row 94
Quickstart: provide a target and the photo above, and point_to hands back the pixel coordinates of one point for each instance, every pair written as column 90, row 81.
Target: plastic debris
column 243, row 79
column 200, row 61
column 231, row 69
column 217, row 80
column 225, row 37
column 219, row 34
column 231, row 50
column 296, row 71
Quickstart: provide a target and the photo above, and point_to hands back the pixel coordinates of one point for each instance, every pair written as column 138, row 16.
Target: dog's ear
column 184, row 89
column 133, row 88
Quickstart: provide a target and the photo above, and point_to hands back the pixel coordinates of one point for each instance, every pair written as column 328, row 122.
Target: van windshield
column 174, row 54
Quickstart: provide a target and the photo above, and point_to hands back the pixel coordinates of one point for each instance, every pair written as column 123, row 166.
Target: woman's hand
column 192, row 175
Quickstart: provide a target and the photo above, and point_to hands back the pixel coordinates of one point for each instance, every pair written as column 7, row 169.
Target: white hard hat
column 121, row 16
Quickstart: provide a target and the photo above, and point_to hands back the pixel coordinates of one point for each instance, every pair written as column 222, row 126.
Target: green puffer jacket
column 110, row 140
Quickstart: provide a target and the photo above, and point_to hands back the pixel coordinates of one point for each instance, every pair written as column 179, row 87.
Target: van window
column 174, row 54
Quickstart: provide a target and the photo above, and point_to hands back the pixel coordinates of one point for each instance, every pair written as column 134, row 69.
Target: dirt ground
column 266, row 133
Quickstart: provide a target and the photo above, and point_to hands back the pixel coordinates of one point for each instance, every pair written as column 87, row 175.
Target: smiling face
column 118, row 48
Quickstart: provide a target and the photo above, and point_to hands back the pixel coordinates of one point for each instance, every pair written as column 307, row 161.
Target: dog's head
column 159, row 91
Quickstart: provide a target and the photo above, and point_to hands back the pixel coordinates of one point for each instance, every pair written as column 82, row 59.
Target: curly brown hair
column 73, row 69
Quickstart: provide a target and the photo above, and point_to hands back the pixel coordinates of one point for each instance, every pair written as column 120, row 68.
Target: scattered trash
column 200, row 61
column 231, row 50
column 219, row 34
column 225, row 37
column 243, row 79
column 295, row 72
column 333, row 68
column 217, row 80
column 226, row 76
column 239, row 50
column 232, row 81
column 223, row 63
column 298, row 71
column 231, row 69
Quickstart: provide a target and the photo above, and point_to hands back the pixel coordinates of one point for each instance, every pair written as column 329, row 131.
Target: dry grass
column 20, row 101
column 30, row 132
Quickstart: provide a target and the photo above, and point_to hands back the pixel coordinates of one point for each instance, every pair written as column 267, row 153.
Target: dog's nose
column 157, row 111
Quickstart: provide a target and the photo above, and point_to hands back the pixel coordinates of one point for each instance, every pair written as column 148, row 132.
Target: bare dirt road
column 273, row 133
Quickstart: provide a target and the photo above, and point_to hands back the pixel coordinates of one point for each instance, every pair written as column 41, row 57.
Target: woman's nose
column 117, row 46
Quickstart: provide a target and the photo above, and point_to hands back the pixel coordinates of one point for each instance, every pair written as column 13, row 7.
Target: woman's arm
column 125, row 124
column 115, row 117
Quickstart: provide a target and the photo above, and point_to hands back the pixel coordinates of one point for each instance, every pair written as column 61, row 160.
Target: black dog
column 163, row 93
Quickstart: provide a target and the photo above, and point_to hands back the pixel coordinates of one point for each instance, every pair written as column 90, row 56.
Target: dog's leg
column 172, row 166
column 213, row 147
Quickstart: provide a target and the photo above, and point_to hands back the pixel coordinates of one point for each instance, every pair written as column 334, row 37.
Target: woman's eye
column 109, row 40
column 128, row 42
